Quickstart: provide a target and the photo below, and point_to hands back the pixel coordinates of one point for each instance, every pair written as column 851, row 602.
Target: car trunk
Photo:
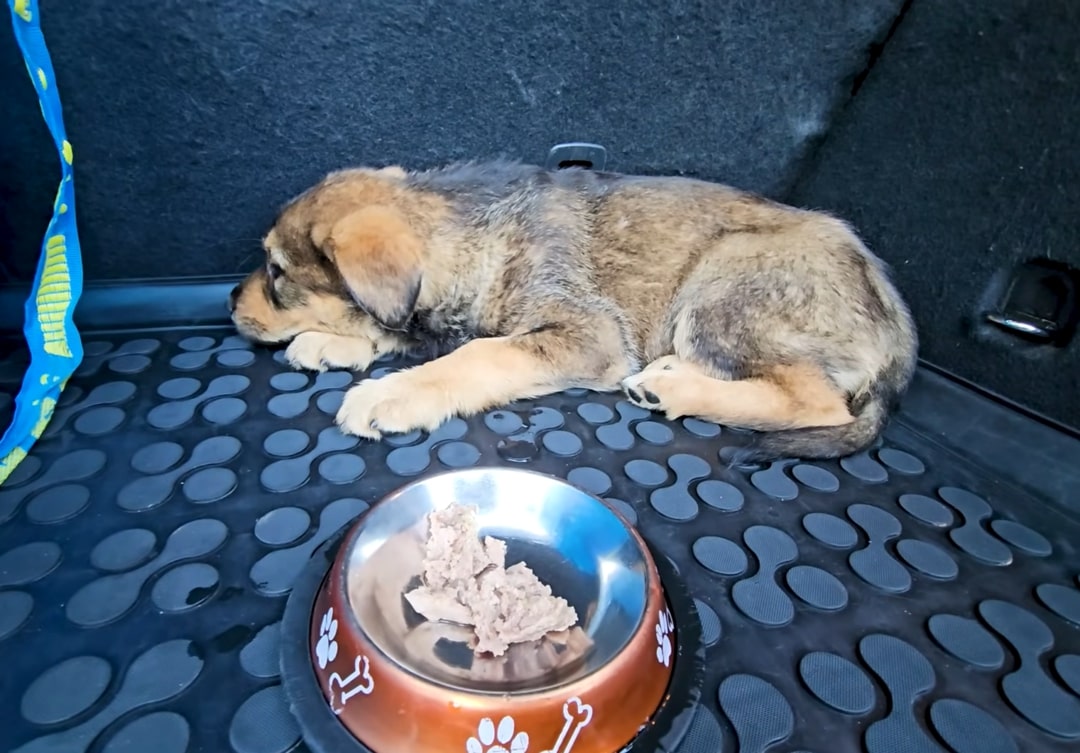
column 921, row 595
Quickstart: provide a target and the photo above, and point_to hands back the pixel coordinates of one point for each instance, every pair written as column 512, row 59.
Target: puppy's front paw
column 394, row 404
column 318, row 351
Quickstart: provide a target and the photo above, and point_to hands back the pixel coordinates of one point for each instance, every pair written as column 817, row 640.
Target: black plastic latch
column 577, row 154
column 1041, row 301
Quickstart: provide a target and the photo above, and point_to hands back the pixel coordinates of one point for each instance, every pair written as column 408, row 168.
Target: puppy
column 696, row 299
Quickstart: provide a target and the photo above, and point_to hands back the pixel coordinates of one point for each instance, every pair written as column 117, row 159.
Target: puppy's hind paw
column 318, row 351
column 640, row 395
column 659, row 387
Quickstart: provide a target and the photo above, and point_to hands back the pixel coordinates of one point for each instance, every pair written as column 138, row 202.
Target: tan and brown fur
column 694, row 298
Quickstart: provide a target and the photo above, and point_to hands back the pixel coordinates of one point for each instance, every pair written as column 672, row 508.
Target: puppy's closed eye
column 274, row 271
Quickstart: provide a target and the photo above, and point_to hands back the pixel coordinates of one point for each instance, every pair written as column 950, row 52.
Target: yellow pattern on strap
column 8, row 464
column 54, row 297
column 44, row 415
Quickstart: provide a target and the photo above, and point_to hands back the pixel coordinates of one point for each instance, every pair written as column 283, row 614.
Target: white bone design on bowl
column 358, row 681
column 577, row 716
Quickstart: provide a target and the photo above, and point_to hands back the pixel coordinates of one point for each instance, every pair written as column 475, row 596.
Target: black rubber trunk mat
column 904, row 599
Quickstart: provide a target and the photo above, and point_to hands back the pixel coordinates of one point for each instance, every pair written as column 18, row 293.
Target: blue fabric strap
column 55, row 347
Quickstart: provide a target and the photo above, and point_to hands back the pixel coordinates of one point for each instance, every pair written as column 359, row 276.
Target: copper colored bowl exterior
column 391, row 710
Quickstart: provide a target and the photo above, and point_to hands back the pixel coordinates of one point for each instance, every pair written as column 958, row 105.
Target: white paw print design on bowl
column 665, row 626
column 326, row 648
column 490, row 739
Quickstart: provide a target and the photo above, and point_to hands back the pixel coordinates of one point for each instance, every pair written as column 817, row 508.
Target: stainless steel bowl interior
column 574, row 543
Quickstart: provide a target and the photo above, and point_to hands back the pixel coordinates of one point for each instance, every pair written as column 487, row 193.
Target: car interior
column 176, row 499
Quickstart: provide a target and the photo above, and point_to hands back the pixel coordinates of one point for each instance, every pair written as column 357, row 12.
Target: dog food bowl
column 399, row 682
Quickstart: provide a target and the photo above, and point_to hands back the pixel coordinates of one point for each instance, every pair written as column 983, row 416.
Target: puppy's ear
column 379, row 257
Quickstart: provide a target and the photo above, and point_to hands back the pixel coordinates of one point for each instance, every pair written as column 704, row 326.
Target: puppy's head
column 340, row 255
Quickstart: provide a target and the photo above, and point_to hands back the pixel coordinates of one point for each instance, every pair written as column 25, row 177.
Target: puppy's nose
column 233, row 295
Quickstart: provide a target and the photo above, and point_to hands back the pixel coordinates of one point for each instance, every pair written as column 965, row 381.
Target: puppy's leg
column 785, row 397
column 483, row 374
column 319, row 351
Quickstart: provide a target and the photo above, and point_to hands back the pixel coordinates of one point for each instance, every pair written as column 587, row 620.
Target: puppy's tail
column 872, row 409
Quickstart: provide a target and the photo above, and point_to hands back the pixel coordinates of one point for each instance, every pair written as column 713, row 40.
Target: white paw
column 326, row 649
column 665, row 626
column 501, row 739
column 318, row 351
column 394, row 404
